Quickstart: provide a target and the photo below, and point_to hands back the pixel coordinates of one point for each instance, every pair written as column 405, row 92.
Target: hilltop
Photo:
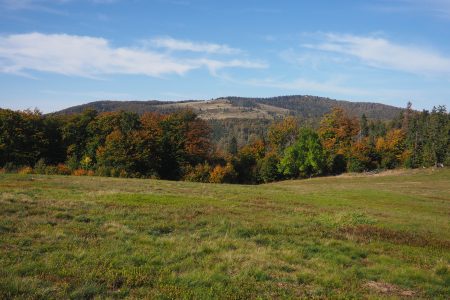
column 306, row 107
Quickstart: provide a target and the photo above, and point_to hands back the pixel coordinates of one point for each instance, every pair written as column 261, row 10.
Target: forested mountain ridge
column 305, row 107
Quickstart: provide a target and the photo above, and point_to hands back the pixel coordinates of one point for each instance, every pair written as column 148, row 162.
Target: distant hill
column 246, row 119
column 307, row 107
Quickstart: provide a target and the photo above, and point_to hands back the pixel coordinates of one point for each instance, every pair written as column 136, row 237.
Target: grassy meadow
column 353, row 236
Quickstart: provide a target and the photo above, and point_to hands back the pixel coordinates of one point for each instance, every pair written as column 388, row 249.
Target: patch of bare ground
column 388, row 289
column 368, row 233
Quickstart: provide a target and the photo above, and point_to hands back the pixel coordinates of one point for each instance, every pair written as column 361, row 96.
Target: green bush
column 72, row 163
column 268, row 168
column 103, row 171
column 40, row 167
column 355, row 165
column 51, row 170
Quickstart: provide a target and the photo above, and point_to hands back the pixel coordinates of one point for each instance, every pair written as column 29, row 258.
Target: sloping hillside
column 309, row 107
column 352, row 237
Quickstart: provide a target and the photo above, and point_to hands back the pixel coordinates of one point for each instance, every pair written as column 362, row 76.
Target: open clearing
column 336, row 237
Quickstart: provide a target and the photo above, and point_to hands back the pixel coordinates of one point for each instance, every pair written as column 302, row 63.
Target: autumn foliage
column 178, row 146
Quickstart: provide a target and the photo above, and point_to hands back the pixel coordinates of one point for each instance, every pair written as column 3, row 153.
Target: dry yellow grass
column 222, row 109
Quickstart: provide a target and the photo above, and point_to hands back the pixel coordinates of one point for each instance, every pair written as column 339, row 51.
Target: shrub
column 447, row 159
column 355, row 165
column 103, row 171
column 336, row 163
column 199, row 173
column 72, row 163
column 40, row 166
column 9, row 167
column 221, row 174
column 51, row 170
column 389, row 161
column 25, row 170
column 86, row 163
column 62, row 169
column 114, row 172
column 268, row 168
column 79, row 172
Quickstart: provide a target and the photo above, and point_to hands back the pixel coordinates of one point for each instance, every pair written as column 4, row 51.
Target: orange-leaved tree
column 392, row 148
column 337, row 131
column 282, row 134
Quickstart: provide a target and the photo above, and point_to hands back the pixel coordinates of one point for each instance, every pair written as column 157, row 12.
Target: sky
column 59, row 53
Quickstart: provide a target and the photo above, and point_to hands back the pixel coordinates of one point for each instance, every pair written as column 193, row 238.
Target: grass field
column 337, row 237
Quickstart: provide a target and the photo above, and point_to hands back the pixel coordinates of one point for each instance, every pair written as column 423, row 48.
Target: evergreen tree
column 233, row 146
column 364, row 127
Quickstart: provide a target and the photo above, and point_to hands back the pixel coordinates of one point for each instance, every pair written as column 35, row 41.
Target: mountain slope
column 309, row 107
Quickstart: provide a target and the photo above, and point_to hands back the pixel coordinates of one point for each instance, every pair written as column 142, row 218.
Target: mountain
column 246, row 118
column 307, row 107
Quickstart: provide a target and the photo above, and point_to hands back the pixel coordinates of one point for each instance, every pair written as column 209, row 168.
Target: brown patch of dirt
column 368, row 233
column 387, row 288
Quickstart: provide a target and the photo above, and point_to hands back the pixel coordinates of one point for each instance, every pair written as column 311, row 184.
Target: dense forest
column 246, row 118
column 178, row 145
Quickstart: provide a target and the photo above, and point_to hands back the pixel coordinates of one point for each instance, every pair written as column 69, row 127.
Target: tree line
column 177, row 146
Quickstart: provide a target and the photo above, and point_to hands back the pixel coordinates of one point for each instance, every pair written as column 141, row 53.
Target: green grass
column 337, row 237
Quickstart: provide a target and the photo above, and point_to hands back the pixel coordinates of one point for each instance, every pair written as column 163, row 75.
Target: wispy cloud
column 382, row 53
column 104, row 1
column 89, row 94
column 34, row 5
column 176, row 2
column 313, row 59
column 304, row 85
column 93, row 57
column 215, row 65
column 46, row 6
column 435, row 8
column 184, row 45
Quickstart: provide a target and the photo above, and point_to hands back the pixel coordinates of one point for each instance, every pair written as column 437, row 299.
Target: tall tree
column 283, row 133
column 337, row 131
column 364, row 127
column 305, row 157
column 232, row 146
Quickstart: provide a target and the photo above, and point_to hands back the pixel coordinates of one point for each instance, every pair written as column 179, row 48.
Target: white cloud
column 215, row 65
column 313, row 60
column 382, row 53
column 183, row 45
column 92, row 57
column 89, row 94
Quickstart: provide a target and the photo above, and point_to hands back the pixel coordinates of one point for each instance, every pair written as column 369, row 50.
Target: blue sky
column 55, row 54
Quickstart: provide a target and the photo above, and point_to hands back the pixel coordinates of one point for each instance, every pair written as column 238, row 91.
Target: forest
column 178, row 145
